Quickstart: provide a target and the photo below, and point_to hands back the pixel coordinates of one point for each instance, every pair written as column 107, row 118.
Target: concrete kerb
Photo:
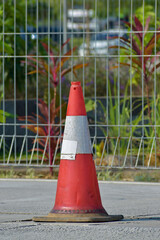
column 102, row 182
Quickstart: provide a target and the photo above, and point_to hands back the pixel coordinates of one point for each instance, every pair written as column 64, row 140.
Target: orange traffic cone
column 77, row 198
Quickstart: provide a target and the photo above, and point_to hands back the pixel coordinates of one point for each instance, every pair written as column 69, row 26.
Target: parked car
column 101, row 42
column 42, row 32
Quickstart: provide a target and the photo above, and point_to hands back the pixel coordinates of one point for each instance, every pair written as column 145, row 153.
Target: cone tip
column 76, row 83
column 76, row 105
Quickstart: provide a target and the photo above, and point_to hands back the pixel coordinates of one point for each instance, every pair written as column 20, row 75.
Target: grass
column 27, row 173
column 141, row 175
column 108, row 175
column 103, row 175
column 129, row 175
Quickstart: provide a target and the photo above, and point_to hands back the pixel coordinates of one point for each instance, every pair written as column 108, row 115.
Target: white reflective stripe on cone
column 76, row 137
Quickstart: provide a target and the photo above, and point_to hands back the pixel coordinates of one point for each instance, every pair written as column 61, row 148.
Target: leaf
column 54, row 75
column 4, row 115
column 51, row 53
column 42, row 141
column 78, row 66
column 64, row 59
column 134, row 29
column 149, row 49
column 39, row 149
column 29, row 127
column 65, row 71
column 35, row 71
column 43, row 108
column 75, row 74
column 2, row 118
column 157, row 66
column 125, row 41
column 138, row 26
column 90, row 105
column 30, row 119
column 150, row 46
column 125, row 64
column 40, row 131
column 40, row 119
column 134, row 81
column 152, row 40
column 7, row 48
column 65, row 43
column 147, row 25
column 155, row 57
column 135, row 47
column 32, row 58
column 138, row 63
column 29, row 63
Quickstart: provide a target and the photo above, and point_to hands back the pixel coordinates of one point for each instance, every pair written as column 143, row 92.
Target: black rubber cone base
column 89, row 217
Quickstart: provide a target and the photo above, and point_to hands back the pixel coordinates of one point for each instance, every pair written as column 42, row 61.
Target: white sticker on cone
column 69, row 149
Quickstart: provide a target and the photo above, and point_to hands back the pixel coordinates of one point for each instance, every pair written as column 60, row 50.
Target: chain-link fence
column 112, row 47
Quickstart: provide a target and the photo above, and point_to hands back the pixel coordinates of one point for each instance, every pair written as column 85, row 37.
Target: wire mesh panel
column 112, row 47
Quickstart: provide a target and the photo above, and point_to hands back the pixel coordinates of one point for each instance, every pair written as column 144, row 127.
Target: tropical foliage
column 54, row 69
column 12, row 20
column 147, row 11
column 117, row 118
column 143, row 59
column 114, row 121
column 48, row 116
column 47, row 131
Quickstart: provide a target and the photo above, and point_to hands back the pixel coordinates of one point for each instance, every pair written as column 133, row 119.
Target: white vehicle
column 81, row 19
column 101, row 42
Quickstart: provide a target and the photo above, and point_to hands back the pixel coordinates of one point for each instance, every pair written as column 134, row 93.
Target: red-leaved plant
column 46, row 126
column 55, row 70
column 142, row 53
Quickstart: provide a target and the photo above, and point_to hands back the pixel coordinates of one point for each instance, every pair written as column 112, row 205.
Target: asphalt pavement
column 20, row 200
